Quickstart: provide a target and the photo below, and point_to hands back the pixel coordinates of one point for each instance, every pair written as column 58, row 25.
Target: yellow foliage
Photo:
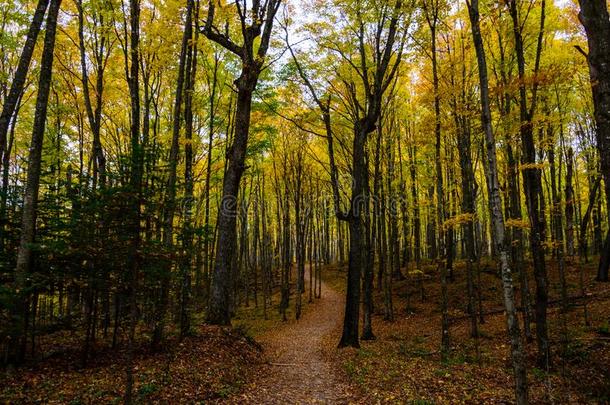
column 527, row 166
column 517, row 223
column 458, row 220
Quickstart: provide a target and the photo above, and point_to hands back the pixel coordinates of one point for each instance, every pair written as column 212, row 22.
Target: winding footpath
column 298, row 372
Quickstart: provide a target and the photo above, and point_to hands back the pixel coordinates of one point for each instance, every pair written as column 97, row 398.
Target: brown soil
column 298, row 370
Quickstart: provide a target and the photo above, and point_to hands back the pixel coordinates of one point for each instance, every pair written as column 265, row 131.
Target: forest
column 290, row 201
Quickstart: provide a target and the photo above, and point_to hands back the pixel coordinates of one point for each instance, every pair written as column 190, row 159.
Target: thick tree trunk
column 357, row 243
column 367, row 327
column 594, row 17
column 256, row 30
column 220, row 302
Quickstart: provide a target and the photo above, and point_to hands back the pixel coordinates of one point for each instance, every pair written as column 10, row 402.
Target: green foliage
column 604, row 328
column 147, row 389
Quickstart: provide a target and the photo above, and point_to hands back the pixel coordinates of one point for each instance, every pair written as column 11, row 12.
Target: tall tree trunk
column 404, row 209
column 594, row 17
column 517, row 241
column 11, row 101
column 170, row 197
column 251, row 65
column 367, row 325
column 584, row 223
column 416, row 217
column 469, row 209
column 286, row 254
column 219, row 304
column 132, row 70
column 557, row 239
column 357, row 243
column 569, row 195
column 208, row 173
column 300, row 227
column 517, row 354
column 94, row 116
column 431, row 12
column 187, row 227
column 5, row 181
column 394, row 243
column 30, row 200
column 532, row 184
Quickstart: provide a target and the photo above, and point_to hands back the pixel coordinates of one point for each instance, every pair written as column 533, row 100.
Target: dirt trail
column 298, row 372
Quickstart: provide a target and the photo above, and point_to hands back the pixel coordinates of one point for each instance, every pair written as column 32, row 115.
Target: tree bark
column 594, row 17
column 30, row 201
column 431, row 13
column 569, row 195
column 18, row 83
column 132, row 71
column 251, row 65
column 187, row 206
column 532, row 185
column 517, row 355
column 94, row 116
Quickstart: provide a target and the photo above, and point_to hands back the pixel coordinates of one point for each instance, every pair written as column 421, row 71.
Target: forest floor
column 403, row 364
column 214, row 365
column 264, row 360
column 208, row 366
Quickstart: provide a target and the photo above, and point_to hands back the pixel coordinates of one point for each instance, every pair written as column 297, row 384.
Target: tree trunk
column 94, row 116
column 18, row 83
column 517, row 354
column 219, row 301
column 256, row 30
column 469, row 209
column 208, row 176
column 132, row 67
column 443, row 253
column 367, row 284
column 594, row 17
column 187, row 227
column 170, row 197
column 30, row 201
column 416, row 218
column 357, row 243
column 532, row 185
column 569, row 195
